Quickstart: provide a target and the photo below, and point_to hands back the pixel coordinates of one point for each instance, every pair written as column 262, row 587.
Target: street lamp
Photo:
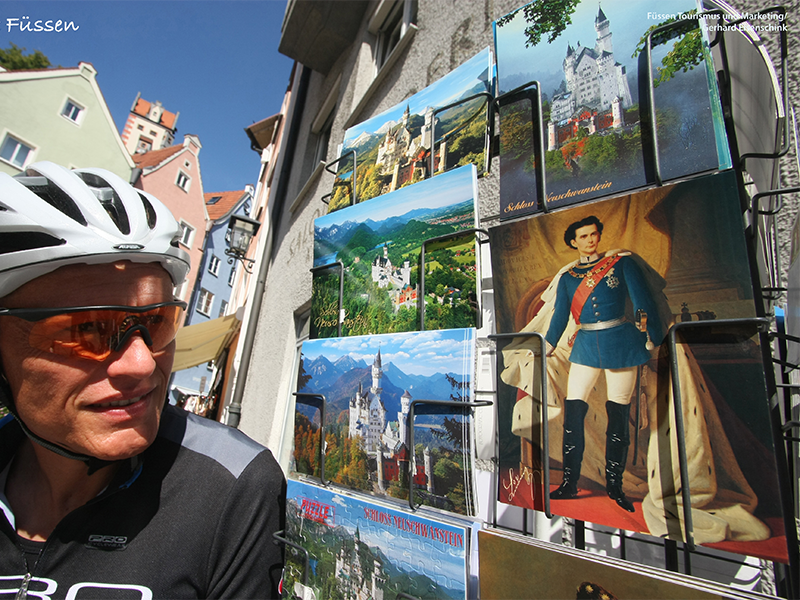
column 241, row 231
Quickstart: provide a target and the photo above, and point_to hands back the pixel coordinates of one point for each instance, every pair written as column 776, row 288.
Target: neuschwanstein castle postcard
column 373, row 388
column 373, row 253
column 362, row 549
column 584, row 85
column 435, row 130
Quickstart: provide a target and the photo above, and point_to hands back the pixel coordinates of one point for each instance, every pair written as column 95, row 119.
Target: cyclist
column 104, row 485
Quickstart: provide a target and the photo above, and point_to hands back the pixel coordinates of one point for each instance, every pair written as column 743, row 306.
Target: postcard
column 594, row 102
column 362, row 549
column 370, row 385
column 367, row 260
column 603, row 282
column 393, row 149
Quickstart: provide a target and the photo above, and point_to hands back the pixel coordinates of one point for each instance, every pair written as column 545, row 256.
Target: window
column 401, row 14
column 213, row 265
column 144, row 145
column 214, row 199
column 204, row 302
column 223, row 308
column 140, row 127
column 72, row 111
column 232, row 276
column 187, row 234
column 183, row 181
column 323, row 137
column 15, row 152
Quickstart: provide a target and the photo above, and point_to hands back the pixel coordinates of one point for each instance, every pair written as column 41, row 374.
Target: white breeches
column 620, row 383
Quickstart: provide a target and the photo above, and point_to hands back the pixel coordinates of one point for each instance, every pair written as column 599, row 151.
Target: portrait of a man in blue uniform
column 596, row 291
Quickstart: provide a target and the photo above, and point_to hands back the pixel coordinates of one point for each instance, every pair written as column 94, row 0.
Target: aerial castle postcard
column 362, row 549
column 369, row 384
column 594, row 102
column 437, row 129
column 367, row 260
column 603, row 282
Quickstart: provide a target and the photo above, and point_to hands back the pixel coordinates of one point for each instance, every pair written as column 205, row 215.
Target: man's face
column 108, row 409
column 587, row 238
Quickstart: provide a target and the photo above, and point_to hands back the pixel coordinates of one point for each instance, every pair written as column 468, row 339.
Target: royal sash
column 588, row 283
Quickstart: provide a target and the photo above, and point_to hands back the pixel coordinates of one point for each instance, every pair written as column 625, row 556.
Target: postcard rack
column 762, row 228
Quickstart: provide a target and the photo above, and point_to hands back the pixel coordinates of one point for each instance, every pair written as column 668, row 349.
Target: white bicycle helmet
column 51, row 217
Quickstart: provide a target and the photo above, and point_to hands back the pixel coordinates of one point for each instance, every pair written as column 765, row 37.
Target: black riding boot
column 572, row 448
column 617, row 441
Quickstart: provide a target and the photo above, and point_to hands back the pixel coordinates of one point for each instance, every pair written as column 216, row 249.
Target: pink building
column 173, row 176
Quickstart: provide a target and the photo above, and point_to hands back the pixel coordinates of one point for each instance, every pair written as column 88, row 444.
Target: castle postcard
column 362, row 549
column 393, row 149
column 373, row 252
column 588, row 128
column 370, row 385
column 603, row 282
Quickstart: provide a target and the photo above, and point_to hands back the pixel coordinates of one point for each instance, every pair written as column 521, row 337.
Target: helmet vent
column 151, row 213
column 17, row 241
column 109, row 199
column 58, row 199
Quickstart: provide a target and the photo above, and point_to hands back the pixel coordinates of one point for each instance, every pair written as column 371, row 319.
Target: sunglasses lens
column 95, row 334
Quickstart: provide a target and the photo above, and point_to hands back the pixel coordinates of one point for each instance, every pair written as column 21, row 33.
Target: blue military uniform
column 608, row 340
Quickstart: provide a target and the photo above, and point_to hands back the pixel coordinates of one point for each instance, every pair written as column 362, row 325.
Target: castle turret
column 601, row 25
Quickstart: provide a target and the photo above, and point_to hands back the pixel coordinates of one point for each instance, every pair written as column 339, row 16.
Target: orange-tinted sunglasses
column 94, row 332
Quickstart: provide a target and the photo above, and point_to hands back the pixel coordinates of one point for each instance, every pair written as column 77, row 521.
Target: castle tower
column 601, row 25
column 426, row 455
column 427, row 129
column 551, row 136
column 617, row 113
column 406, row 115
column 377, row 370
column 402, row 416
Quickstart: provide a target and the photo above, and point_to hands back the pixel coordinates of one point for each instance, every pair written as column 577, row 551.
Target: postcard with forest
column 369, row 384
column 373, row 253
column 586, row 73
column 362, row 549
column 603, row 282
column 393, row 149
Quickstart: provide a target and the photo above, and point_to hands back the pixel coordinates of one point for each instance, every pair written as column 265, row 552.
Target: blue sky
column 445, row 564
column 216, row 62
column 414, row 352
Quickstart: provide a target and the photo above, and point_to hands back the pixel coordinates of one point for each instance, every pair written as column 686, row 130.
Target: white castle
column 384, row 273
column 354, row 584
column 368, row 416
column 595, row 83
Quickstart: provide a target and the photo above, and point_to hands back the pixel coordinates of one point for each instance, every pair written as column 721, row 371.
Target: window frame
column 187, row 180
column 205, row 302
column 7, row 135
column 78, row 120
column 213, row 265
column 186, row 227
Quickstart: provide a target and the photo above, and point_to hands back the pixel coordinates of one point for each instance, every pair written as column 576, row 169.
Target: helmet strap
column 93, row 464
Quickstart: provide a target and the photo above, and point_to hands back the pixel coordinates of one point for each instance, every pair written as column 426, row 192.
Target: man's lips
column 118, row 403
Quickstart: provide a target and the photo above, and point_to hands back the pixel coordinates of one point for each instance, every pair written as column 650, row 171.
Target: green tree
column 686, row 53
column 13, row 59
column 544, row 17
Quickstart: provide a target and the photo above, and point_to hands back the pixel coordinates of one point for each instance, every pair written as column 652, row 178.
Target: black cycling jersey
column 191, row 517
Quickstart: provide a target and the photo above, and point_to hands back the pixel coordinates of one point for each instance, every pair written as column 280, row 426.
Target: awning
column 198, row 344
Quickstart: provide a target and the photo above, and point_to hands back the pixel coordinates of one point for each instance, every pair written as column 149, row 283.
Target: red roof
column 222, row 206
column 142, row 108
column 154, row 158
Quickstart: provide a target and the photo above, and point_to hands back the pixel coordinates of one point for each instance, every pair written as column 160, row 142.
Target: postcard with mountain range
column 393, row 149
column 369, row 384
column 361, row 549
column 376, row 248
column 591, row 70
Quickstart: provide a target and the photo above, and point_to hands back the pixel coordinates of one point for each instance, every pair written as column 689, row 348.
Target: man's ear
column 573, row 243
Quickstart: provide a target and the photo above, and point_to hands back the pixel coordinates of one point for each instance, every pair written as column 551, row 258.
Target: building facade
column 149, row 127
column 173, row 176
column 58, row 115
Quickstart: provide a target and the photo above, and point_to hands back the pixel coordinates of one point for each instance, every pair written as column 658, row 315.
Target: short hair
column 572, row 230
